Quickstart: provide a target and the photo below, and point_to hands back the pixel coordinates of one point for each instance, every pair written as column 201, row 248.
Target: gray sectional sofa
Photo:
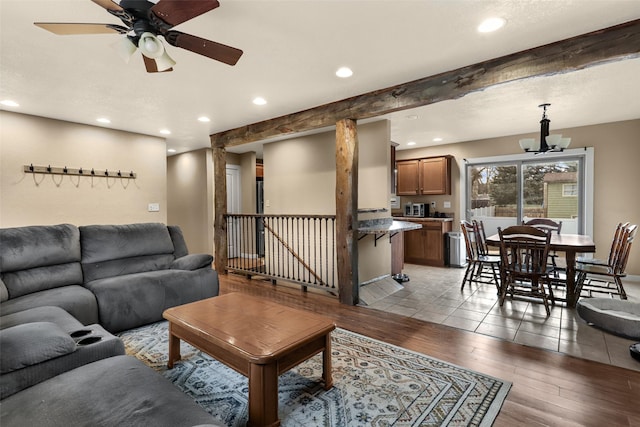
column 63, row 291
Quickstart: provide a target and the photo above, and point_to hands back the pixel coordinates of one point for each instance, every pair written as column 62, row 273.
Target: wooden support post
column 347, row 210
column 220, row 209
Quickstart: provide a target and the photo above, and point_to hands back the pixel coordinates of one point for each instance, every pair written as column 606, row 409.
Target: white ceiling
column 292, row 49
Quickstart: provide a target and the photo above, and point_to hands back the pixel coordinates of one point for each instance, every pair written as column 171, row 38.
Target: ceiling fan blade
column 151, row 66
column 218, row 51
column 108, row 4
column 77, row 28
column 116, row 10
column 175, row 12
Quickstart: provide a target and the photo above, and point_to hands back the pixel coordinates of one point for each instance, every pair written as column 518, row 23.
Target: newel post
column 347, row 210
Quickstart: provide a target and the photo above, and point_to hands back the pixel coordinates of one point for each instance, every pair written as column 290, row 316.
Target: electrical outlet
column 433, row 205
column 267, row 203
column 154, row 207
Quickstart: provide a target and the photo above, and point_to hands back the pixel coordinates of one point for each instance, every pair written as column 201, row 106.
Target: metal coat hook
column 30, row 168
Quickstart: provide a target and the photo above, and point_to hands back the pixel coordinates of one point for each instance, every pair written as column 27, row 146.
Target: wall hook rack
column 51, row 170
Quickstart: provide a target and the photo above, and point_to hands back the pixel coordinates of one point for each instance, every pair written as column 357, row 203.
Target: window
column 507, row 190
column 569, row 190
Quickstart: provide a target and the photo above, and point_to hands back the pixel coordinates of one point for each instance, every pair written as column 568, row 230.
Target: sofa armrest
column 32, row 343
column 192, row 262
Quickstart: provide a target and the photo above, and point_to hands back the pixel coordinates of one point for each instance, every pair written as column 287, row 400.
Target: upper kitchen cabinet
column 431, row 175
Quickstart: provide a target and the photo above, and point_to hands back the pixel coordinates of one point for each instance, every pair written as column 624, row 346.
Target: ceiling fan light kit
column 125, row 48
column 145, row 21
column 546, row 143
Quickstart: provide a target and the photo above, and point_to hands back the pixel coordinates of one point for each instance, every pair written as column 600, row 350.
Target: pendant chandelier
column 547, row 142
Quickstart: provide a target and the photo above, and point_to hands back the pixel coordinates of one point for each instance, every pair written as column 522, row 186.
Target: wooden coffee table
column 259, row 339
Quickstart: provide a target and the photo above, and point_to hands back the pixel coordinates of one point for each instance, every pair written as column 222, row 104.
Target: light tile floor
column 433, row 294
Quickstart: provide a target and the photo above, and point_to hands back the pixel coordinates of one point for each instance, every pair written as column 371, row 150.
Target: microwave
column 420, row 210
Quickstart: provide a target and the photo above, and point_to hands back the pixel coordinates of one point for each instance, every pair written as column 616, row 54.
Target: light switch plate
column 447, row 204
column 433, row 205
column 154, row 207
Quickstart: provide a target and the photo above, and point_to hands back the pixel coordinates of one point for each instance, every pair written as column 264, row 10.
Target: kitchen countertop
column 387, row 227
column 413, row 218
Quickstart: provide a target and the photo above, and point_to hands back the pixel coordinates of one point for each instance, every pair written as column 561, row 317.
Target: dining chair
column 607, row 278
column 550, row 226
column 481, row 267
column 617, row 240
column 524, row 251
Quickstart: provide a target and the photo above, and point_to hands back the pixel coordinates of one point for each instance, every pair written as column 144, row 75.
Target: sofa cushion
column 117, row 391
column 52, row 314
column 124, row 266
column 133, row 300
column 108, row 242
column 76, row 300
column 39, row 257
column 32, row 280
column 31, row 343
column 23, row 248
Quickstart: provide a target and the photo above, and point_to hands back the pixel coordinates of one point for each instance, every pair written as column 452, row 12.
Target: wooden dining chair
column 524, row 253
column 617, row 240
column 550, row 226
column 481, row 267
column 607, row 278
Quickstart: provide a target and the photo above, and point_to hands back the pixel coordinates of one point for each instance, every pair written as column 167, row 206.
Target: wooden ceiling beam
column 599, row 47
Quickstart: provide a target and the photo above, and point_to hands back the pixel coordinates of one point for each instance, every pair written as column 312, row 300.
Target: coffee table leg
column 174, row 348
column 326, row 363
column 263, row 395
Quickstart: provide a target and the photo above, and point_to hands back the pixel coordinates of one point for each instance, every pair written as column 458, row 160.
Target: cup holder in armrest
column 80, row 333
column 89, row 340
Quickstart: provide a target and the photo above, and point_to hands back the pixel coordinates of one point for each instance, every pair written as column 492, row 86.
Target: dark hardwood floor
column 549, row 388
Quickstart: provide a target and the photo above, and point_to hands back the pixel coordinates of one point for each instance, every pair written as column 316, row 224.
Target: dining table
column 570, row 244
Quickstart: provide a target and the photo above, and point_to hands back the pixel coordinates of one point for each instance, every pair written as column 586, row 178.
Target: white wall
column 36, row 199
column 300, row 178
column 190, row 198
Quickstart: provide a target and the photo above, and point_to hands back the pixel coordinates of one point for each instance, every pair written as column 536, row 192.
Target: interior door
column 233, row 207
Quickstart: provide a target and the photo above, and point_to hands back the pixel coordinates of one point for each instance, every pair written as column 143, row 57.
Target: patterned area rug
column 375, row 384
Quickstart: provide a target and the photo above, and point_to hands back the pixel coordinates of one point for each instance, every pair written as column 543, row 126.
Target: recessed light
column 411, row 143
column 412, row 117
column 203, row 119
column 9, row 103
column 171, row 150
column 259, row 101
column 344, row 72
column 491, row 24
column 103, row 120
column 437, row 139
column 165, row 131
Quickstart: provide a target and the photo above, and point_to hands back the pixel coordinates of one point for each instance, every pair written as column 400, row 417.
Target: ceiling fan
column 144, row 21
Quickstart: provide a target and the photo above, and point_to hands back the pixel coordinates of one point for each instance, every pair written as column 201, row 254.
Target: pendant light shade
column 150, row 46
column 125, row 48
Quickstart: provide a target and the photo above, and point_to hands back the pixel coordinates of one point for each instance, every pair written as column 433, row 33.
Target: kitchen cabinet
column 426, row 245
column 427, row 176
